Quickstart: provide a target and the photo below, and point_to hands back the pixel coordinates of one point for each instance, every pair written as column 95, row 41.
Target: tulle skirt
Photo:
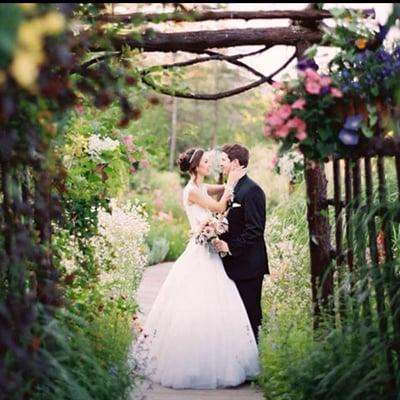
column 197, row 334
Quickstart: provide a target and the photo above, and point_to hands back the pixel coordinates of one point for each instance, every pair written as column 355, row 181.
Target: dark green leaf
column 10, row 17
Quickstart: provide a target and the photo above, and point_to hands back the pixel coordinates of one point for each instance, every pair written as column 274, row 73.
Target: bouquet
column 215, row 225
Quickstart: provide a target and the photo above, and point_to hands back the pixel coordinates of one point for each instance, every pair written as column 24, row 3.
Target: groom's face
column 225, row 163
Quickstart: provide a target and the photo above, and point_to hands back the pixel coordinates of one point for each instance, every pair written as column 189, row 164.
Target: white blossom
column 97, row 145
column 122, row 235
column 290, row 164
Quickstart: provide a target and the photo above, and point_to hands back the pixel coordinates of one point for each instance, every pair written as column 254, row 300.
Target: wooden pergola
column 303, row 31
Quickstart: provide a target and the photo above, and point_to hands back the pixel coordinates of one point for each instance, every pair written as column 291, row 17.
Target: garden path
column 152, row 281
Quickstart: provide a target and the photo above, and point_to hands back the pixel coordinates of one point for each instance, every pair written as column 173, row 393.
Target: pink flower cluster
column 285, row 119
column 318, row 84
column 281, row 121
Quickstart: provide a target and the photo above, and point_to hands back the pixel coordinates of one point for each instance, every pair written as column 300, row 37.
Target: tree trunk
column 173, row 133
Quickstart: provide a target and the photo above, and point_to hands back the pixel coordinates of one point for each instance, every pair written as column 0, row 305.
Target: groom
column 247, row 261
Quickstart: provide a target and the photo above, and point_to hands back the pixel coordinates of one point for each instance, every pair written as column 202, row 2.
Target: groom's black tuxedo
column 248, row 262
column 245, row 236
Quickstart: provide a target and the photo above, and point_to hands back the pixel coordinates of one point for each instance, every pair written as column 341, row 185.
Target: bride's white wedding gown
column 197, row 334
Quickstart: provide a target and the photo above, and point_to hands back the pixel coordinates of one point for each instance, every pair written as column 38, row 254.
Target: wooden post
column 319, row 229
column 319, row 239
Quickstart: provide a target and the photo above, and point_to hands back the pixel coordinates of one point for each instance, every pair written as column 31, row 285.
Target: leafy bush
column 177, row 235
column 286, row 329
column 354, row 357
column 88, row 360
column 158, row 251
column 160, row 193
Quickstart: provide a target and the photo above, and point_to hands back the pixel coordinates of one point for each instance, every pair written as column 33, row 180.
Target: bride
column 197, row 334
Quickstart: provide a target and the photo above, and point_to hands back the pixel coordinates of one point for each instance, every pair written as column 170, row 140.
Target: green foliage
column 349, row 27
column 10, row 15
column 177, row 235
column 285, row 341
column 88, row 360
column 160, row 194
column 286, row 330
column 353, row 357
column 342, row 365
column 158, row 250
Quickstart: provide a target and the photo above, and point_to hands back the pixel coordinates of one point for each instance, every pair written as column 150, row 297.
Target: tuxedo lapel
column 239, row 184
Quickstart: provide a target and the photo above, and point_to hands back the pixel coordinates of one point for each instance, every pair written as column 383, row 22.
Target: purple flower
column 345, row 73
column 383, row 31
column 360, row 57
column 383, row 55
column 355, row 85
column 302, row 65
column 353, row 123
column 325, row 90
column 348, row 137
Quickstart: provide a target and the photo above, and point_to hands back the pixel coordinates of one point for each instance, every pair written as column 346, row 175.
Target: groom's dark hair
column 237, row 151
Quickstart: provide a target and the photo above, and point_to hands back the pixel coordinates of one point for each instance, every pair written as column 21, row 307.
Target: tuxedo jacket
column 245, row 236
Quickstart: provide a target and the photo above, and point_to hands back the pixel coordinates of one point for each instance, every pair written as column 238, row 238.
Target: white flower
column 123, row 234
column 97, row 145
column 290, row 164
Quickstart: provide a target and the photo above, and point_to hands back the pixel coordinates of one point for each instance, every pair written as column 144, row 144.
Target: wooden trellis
column 302, row 33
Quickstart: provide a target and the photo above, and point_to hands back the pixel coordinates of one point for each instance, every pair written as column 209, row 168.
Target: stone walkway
column 152, row 280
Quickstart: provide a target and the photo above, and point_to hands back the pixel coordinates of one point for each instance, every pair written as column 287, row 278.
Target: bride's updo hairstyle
column 190, row 159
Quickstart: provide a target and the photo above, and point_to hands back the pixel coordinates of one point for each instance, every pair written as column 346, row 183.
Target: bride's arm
column 215, row 189
column 198, row 197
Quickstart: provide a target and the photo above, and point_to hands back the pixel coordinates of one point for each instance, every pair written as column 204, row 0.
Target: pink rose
column 325, row 81
column 301, row 135
column 278, row 85
column 312, row 87
column 299, row 104
column 275, row 120
column 282, row 132
column 127, row 140
column 312, row 75
column 336, row 92
column 208, row 232
column 284, row 111
column 296, row 123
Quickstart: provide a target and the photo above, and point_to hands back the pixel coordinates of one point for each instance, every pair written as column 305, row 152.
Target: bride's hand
column 235, row 174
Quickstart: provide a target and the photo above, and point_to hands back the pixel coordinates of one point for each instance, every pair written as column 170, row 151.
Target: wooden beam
column 192, row 16
column 199, row 41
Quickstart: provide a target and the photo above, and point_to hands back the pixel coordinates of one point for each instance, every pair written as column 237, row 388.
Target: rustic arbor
column 26, row 193
column 302, row 33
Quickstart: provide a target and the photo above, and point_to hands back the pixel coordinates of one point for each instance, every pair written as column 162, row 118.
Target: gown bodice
column 195, row 213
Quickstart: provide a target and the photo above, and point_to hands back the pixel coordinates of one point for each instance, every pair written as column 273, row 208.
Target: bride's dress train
column 197, row 334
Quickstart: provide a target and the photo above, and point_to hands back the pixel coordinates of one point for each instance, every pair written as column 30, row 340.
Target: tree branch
column 213, row 56
column 193, row 16
column 221, row 95
column 95, row 60
column 236, row 62
column 199, row 41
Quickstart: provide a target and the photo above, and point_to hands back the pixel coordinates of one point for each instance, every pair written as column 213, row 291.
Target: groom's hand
column 221, row 246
